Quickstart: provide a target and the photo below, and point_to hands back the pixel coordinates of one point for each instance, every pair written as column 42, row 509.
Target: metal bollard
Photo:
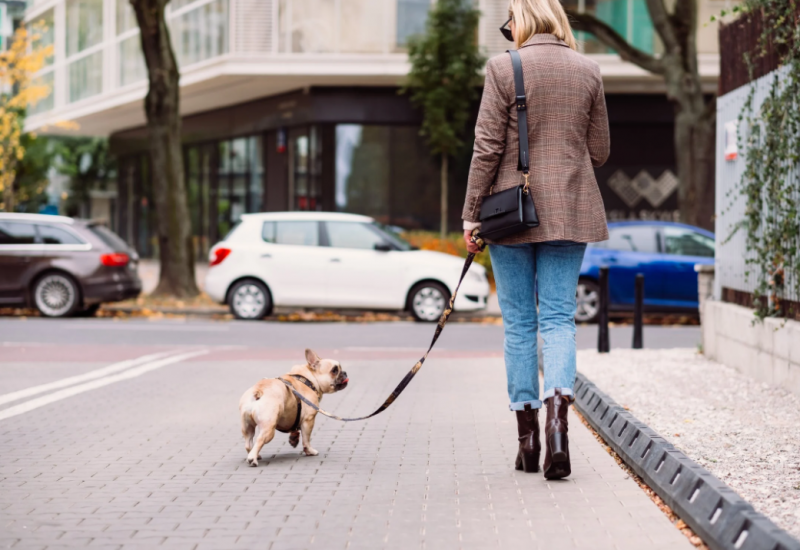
column 638, row 311
column 602, row 321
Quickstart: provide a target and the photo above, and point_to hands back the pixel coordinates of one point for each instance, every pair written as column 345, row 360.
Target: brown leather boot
column 556, row 457
column 529, row 446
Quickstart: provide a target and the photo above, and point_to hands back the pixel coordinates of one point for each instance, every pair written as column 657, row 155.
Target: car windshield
column 109, row 237
column 391, row 235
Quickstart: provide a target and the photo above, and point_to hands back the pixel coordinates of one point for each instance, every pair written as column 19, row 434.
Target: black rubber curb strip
column 719, row 516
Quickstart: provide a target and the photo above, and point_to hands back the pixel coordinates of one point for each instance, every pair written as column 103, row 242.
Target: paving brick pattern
column 158, row 461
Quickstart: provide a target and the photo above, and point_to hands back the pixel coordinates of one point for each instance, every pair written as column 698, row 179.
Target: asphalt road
column 398, row 336
column 125, row 434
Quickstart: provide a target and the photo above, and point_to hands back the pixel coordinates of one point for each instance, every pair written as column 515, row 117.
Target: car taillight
column 218, row 255
column 117, row 259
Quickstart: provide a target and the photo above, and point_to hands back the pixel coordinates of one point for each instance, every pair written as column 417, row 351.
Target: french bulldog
column 270, row 405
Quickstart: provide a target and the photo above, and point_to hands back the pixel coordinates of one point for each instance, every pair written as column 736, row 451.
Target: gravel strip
column 746, row 433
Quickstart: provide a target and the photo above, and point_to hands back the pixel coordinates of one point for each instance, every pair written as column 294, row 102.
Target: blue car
column 664, row 252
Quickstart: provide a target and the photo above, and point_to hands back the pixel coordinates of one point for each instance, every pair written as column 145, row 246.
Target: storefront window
column 411, row 18
column 388, row 173
column 241, row 180
column 84, row 24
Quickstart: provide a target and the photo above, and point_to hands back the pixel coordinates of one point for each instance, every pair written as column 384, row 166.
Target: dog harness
column 308, row 383
column 477, row 240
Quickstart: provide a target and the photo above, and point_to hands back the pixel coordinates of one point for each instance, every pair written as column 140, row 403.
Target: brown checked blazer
column 568, row 135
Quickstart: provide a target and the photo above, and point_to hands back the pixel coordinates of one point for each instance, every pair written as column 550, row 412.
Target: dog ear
column 313, row 359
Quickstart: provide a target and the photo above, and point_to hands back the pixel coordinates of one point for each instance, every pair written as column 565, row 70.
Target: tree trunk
column 166, row 156
column 695, row 150
column 8, row 196
column 444, row 198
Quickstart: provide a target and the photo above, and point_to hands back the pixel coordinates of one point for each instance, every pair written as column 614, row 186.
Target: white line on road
column 154, row 326
column 75, row 390
column 91, row 375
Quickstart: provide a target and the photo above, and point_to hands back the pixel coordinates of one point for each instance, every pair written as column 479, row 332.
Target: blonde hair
column 540, row 17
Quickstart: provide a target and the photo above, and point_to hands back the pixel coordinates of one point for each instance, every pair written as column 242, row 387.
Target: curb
column 719, row 516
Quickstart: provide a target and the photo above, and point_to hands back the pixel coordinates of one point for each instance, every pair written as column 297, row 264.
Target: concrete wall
column 768, row 351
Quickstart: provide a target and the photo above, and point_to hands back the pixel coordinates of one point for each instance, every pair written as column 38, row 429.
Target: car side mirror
column 383, row 247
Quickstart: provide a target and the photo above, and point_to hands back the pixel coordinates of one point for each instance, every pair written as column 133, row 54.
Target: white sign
column 731, row 139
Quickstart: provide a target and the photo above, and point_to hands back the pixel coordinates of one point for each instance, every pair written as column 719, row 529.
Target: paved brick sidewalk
column 158, row 461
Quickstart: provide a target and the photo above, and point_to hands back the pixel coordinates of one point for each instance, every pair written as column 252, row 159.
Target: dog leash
column 476, row 239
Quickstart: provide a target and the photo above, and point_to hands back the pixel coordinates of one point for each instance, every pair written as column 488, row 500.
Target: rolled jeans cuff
column 567, row 392
column 535, row 404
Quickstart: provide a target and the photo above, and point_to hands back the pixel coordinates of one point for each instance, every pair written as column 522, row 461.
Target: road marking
column 91, row 375
column 75, row 390
column 154, row 326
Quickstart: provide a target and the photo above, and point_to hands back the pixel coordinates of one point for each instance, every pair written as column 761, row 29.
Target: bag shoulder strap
column 522, row 113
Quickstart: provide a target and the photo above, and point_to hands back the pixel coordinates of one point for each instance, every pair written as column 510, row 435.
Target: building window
column 85, row 76
column 386, row 172
column 629, row 18
column 46, row 103
column 131, row 65
column 411, row 18
column 84, row 25
column 126, row 18
column 200, row 33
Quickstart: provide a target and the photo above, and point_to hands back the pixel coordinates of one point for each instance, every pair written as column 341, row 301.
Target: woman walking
column 568, row 135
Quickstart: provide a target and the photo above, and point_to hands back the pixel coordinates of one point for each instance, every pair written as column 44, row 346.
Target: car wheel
column 588, row 301
column 428, row 301
column 56, row 295
column 250, row 300
column 90, row 311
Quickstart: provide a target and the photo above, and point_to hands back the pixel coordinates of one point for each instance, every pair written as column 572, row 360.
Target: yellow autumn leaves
column 19, row 90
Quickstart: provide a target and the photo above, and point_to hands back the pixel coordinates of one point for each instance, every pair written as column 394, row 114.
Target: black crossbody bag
column 511, row 211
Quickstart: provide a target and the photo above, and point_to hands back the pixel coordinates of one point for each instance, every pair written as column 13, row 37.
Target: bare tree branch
column 662, row 23
column 589, row 23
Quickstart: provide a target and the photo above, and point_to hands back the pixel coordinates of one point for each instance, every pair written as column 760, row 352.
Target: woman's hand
column 471, row 246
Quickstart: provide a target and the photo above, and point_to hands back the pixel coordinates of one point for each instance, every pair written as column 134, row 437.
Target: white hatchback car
column 320, row 260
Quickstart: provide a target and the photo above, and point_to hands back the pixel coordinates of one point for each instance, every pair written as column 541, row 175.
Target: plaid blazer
column 567, row 132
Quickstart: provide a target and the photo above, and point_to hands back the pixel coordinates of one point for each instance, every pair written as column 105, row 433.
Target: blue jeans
column 553, row 267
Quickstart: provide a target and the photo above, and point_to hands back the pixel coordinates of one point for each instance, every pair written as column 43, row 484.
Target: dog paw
column 294, row 439
column 253, row 462
column 308, row 451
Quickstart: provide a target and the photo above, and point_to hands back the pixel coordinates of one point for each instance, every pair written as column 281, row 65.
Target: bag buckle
column 527, row 187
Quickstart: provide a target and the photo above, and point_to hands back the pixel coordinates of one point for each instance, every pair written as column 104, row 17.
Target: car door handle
column 336, row 260
column 266, row 255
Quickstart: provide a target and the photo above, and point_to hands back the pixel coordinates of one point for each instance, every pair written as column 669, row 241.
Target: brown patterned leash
column 415, row 369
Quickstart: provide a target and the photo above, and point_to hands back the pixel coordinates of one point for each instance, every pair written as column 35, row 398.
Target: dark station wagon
column 63, row 266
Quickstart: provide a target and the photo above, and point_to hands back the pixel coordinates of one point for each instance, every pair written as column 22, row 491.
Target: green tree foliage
column 444, row 78
column 88, row 165
column 30, row 179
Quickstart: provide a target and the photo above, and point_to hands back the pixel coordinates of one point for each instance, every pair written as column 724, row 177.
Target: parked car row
column 63, row 266
column 66, row 267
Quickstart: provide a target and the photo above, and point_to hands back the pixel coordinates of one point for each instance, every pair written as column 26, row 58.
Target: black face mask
column 506, row 31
